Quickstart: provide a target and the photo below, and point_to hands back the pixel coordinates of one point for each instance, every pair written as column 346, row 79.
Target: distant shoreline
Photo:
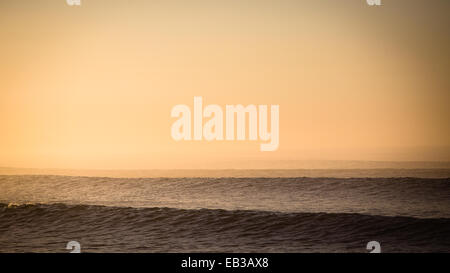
column 175, row 173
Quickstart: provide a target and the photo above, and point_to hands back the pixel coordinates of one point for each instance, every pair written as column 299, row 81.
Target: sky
column 93, row 86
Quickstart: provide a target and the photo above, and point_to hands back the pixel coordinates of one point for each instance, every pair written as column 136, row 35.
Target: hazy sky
column 93, row 86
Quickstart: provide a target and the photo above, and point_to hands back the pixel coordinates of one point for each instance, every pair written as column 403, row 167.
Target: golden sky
column 93, row 86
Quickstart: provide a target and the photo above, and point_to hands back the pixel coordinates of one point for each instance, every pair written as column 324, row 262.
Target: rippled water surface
column 42, row 213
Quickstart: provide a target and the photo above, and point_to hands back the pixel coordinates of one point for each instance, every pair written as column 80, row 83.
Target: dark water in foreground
column 43, row 213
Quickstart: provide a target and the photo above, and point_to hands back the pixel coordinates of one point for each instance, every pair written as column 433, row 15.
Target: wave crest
column 166, row 229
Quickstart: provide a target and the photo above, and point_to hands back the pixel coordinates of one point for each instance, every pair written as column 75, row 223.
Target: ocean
column 42, row 213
